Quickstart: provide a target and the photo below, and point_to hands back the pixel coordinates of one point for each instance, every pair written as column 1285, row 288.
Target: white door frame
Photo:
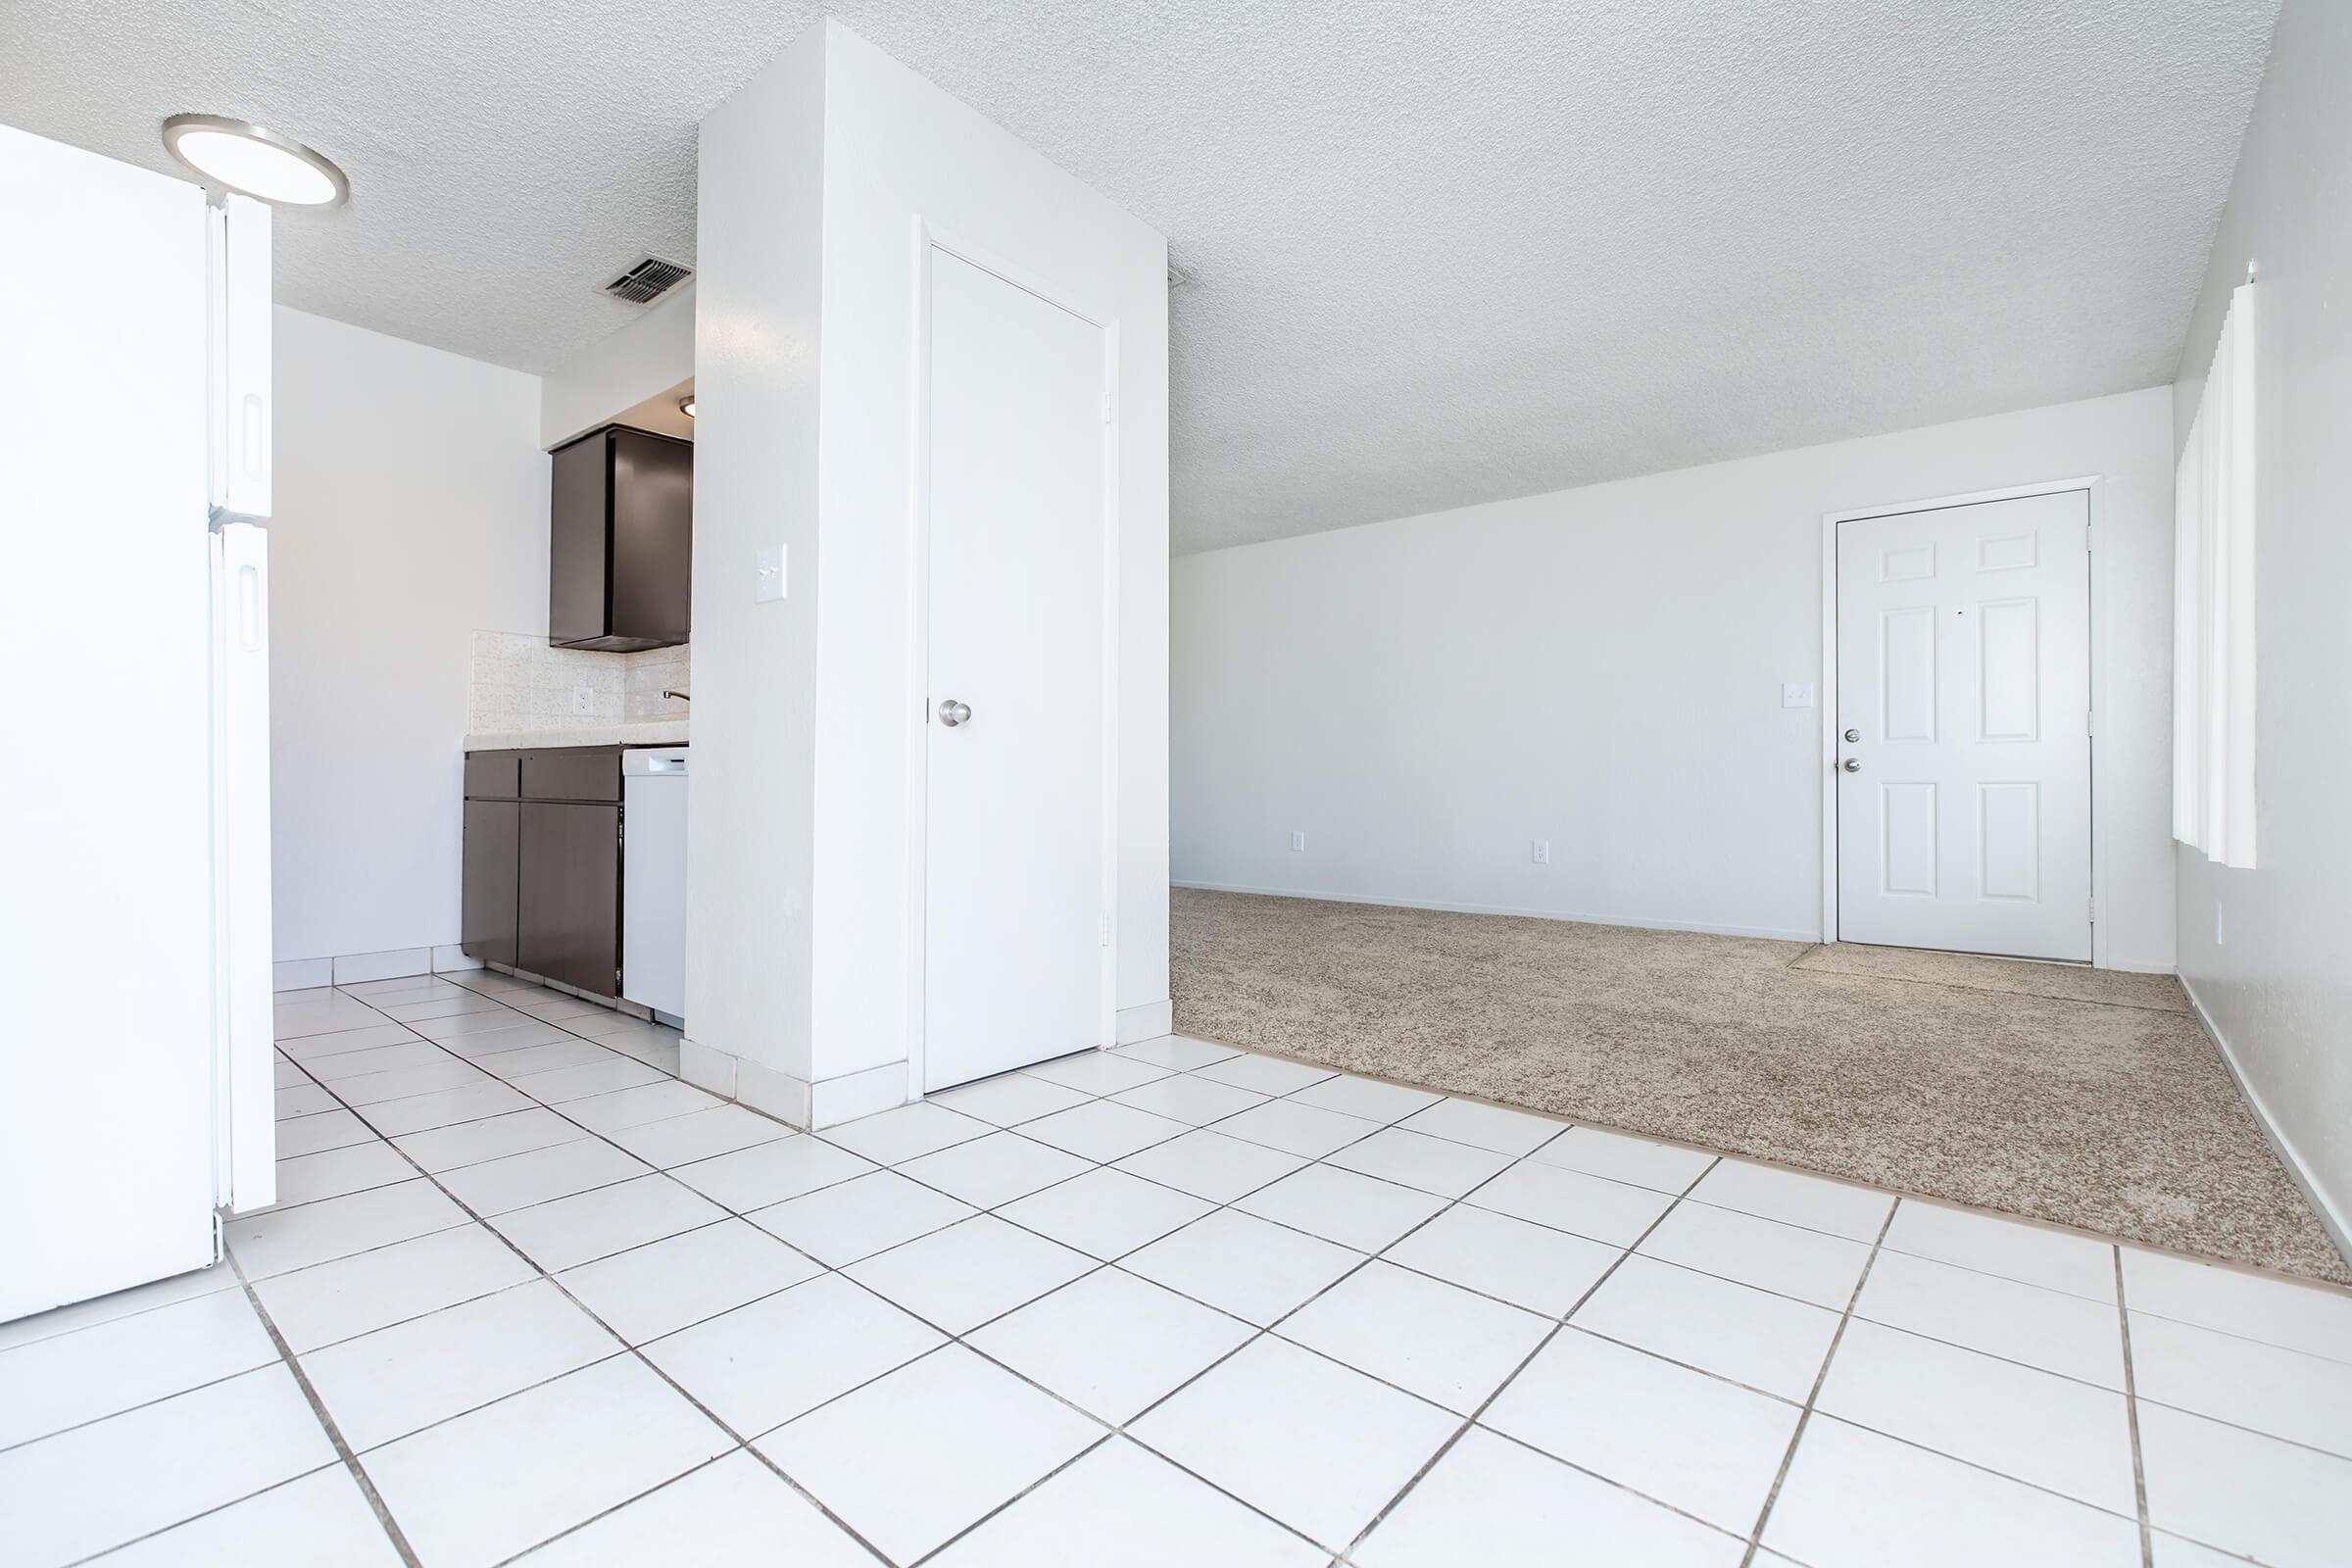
column 928, row 237
column 2094, row 494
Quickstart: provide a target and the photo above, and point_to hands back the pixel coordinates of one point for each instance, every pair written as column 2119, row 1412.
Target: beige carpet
column 2086, row 1098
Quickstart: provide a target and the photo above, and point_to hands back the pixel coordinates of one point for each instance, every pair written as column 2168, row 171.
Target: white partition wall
column 824, row 183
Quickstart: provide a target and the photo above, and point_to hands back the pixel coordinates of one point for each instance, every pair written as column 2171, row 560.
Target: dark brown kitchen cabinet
column 541, row 881
column 487, row 911
column 567, row 919
column 620, row 541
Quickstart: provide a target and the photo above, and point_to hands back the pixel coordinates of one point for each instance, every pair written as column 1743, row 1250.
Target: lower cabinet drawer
column 493, row 775
column 576, row 773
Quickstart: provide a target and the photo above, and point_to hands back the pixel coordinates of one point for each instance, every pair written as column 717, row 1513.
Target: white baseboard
column 707, row 1067
column 1638, row 922
column 1147, row 1022
column 790, row 1100
column 772, row 1093
column 852, row 1095
column 301, row 974
column 2332, row 1219
column 354, row 968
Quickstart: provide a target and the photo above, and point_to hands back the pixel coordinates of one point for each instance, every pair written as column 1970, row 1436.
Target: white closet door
column 1014, row 935
column 1964, row 684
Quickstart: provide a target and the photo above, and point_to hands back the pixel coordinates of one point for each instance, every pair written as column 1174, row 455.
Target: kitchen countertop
column 655, row 732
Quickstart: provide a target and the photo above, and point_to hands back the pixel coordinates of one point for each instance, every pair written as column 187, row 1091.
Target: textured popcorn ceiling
column 1444, row 253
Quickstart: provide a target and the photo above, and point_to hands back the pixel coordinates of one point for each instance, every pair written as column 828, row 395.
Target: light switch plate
column 770, row 583
column 1796, row 694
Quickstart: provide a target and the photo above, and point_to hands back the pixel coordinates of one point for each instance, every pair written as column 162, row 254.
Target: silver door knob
column 1852, row 764
column 1852, row 735
column 953, row 713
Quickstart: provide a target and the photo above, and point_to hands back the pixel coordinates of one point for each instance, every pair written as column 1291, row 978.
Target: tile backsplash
column 520, row 683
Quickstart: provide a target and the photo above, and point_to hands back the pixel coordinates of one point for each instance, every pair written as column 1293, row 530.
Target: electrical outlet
column 1796, row 694
column 583, row 699
column 1540, row 851
column 1299, row 840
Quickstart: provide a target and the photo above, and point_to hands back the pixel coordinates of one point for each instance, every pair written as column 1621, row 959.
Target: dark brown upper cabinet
column 620, row 541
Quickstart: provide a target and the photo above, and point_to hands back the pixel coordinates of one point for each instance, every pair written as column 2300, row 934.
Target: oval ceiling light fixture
column 255, row 161
column 686, row 407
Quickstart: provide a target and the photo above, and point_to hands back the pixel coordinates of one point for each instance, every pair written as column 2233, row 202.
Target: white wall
column 794, row 326
column 1601, row 667
column 617, row 371
column 2277, row 986
column 751, row 840
column 412, row 508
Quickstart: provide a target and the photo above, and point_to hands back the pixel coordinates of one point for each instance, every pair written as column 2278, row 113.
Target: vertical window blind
column 2213, row 605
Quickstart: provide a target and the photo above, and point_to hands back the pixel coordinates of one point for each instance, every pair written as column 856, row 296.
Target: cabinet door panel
column 569, row 906
column 486, row 915
column 579, row 536
column 652, row 595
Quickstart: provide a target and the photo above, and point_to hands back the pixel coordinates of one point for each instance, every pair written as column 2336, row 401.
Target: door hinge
column 1106, row 930
column 2092, row 912
column 1105, row 408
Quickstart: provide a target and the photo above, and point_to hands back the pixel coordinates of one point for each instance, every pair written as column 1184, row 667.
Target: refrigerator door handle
column 248, row 607
column 245, row 1086
column 237, row 252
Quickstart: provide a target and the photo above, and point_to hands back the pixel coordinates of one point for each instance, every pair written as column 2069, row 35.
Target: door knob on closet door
column 1852, row 764
column 953, row 713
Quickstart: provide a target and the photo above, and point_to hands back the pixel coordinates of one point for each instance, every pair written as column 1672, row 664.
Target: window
column 2212, row 606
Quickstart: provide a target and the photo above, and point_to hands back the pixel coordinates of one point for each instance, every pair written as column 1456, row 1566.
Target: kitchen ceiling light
column 255, row 161
column 686, row 407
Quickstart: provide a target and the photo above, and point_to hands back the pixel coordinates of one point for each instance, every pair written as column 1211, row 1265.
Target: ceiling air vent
column 648, row 280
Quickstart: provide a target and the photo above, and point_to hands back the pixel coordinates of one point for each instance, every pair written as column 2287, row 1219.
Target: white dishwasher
column 653, row 878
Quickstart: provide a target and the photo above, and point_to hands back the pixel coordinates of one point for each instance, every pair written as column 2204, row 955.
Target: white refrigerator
column 136, row 1104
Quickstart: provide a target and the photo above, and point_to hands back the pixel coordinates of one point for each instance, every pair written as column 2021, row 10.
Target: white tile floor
column 528, row 1297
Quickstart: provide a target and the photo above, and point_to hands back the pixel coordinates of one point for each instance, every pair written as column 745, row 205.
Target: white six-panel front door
column 1014, row 934
column 1964, row 728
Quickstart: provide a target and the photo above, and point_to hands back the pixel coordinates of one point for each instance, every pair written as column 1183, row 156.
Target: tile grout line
column 1113, row 1428
column 1261, row 1331
column 1559, row 1327
column 2231, row 1265
column 821, row 1268
column 631, row 1348
column 105, row 1552
column 1804, row 1418
column 601, row 1513
column 334, row 1432
column 741, row 1443
column 990, row 1128
column 1120, row 1429
column 2140, row 1472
